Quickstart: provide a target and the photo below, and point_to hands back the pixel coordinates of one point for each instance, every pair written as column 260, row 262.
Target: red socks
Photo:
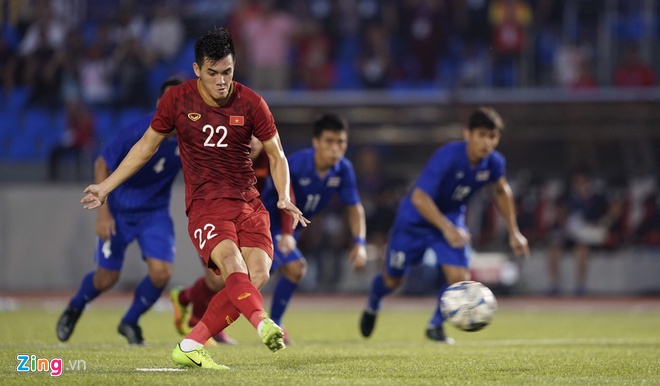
column 200, row 295
column 245, row 297
column 219, row 314
column 238, row 297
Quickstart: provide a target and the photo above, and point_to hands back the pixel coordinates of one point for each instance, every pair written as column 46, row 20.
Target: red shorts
column 246, row 224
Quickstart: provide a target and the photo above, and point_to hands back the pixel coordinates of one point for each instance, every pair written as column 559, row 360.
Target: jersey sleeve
column 264, row 123
column 431, row 178
column 498, row 166
column 165, row 118
column 348, row 192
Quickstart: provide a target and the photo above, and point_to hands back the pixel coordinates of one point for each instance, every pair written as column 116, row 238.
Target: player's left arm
column 507, row 208
column 358, row 225
column 287, row 242
column 279, row 170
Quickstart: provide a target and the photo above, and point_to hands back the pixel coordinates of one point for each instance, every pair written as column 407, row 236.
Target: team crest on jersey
column 194, row 116
column 305, row 181
column 333, row 182
column 482, row 175
column 459, row 175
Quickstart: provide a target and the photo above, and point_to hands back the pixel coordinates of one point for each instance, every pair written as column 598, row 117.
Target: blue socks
column 146, row 294
column 437, row 319
column 282, row 294
column 378, row 291
column 86, row 293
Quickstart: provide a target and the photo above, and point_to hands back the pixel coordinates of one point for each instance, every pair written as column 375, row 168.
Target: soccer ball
column 468, row 305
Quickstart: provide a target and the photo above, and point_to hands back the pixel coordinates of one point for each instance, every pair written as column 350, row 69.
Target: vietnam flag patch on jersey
column 236, row 120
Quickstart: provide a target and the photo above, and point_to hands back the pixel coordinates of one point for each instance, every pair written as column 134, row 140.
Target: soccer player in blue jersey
column 317, row 174
column 432, row 215
column 137, row 210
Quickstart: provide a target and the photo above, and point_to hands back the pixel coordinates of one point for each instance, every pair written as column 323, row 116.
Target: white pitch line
column 162, row 369
column 569, row 341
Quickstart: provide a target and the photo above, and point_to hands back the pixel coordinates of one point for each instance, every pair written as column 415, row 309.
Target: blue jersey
column 311, row 192
column 150, row 188
column 450, row 180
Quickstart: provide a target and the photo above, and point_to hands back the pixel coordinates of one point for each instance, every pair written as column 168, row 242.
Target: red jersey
column 214, row 142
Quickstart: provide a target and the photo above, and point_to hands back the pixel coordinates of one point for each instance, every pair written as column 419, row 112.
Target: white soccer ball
column 468, row 305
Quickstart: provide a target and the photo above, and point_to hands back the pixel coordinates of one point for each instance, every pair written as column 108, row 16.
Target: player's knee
column 392, row 282
column 259, row 278
column 160, row 272
column 160, row 277
column 105, row 279
column 295, row 270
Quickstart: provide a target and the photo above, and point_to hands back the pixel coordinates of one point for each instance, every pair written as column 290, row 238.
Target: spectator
column 47, row 26
column 375, row 59
column 268, row 37
column 425, row 37
column 585, row 79
column 96, row 69
column 316, row 70
column 129, row 25
column 583, row 219
column 78, row 139
column 243, row 11
column 165, row 34
column 633, row 72
column 472, row 72
column 131, row 63
column 509, row 20
column 568, row 62
column 41, row 75
column 67, row 63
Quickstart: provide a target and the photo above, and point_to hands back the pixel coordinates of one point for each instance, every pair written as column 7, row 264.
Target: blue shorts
column 154, row 232
column 406, row 249
column 280, row 259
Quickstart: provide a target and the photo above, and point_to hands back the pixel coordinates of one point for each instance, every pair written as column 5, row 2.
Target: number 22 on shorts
column 202, row 235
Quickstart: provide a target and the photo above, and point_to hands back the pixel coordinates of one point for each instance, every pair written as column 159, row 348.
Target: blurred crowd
column 113, row 52
column 109, row 56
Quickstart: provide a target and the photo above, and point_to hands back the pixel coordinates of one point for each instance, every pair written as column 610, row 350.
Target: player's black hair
column 486, row 117
column 169, row 83
column 214, row 46
column 329, row 121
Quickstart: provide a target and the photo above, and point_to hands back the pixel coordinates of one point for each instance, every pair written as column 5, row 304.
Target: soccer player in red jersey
column 215, row 118
column 191, row 302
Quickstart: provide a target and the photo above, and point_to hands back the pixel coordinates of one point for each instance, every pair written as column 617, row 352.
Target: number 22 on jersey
column 210, row 141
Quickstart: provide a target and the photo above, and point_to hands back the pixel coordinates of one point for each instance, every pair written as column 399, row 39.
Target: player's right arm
column 105, row 223
column 455, row 236
column 139, row 154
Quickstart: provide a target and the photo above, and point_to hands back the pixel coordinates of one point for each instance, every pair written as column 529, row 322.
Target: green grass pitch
column 523, row 346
